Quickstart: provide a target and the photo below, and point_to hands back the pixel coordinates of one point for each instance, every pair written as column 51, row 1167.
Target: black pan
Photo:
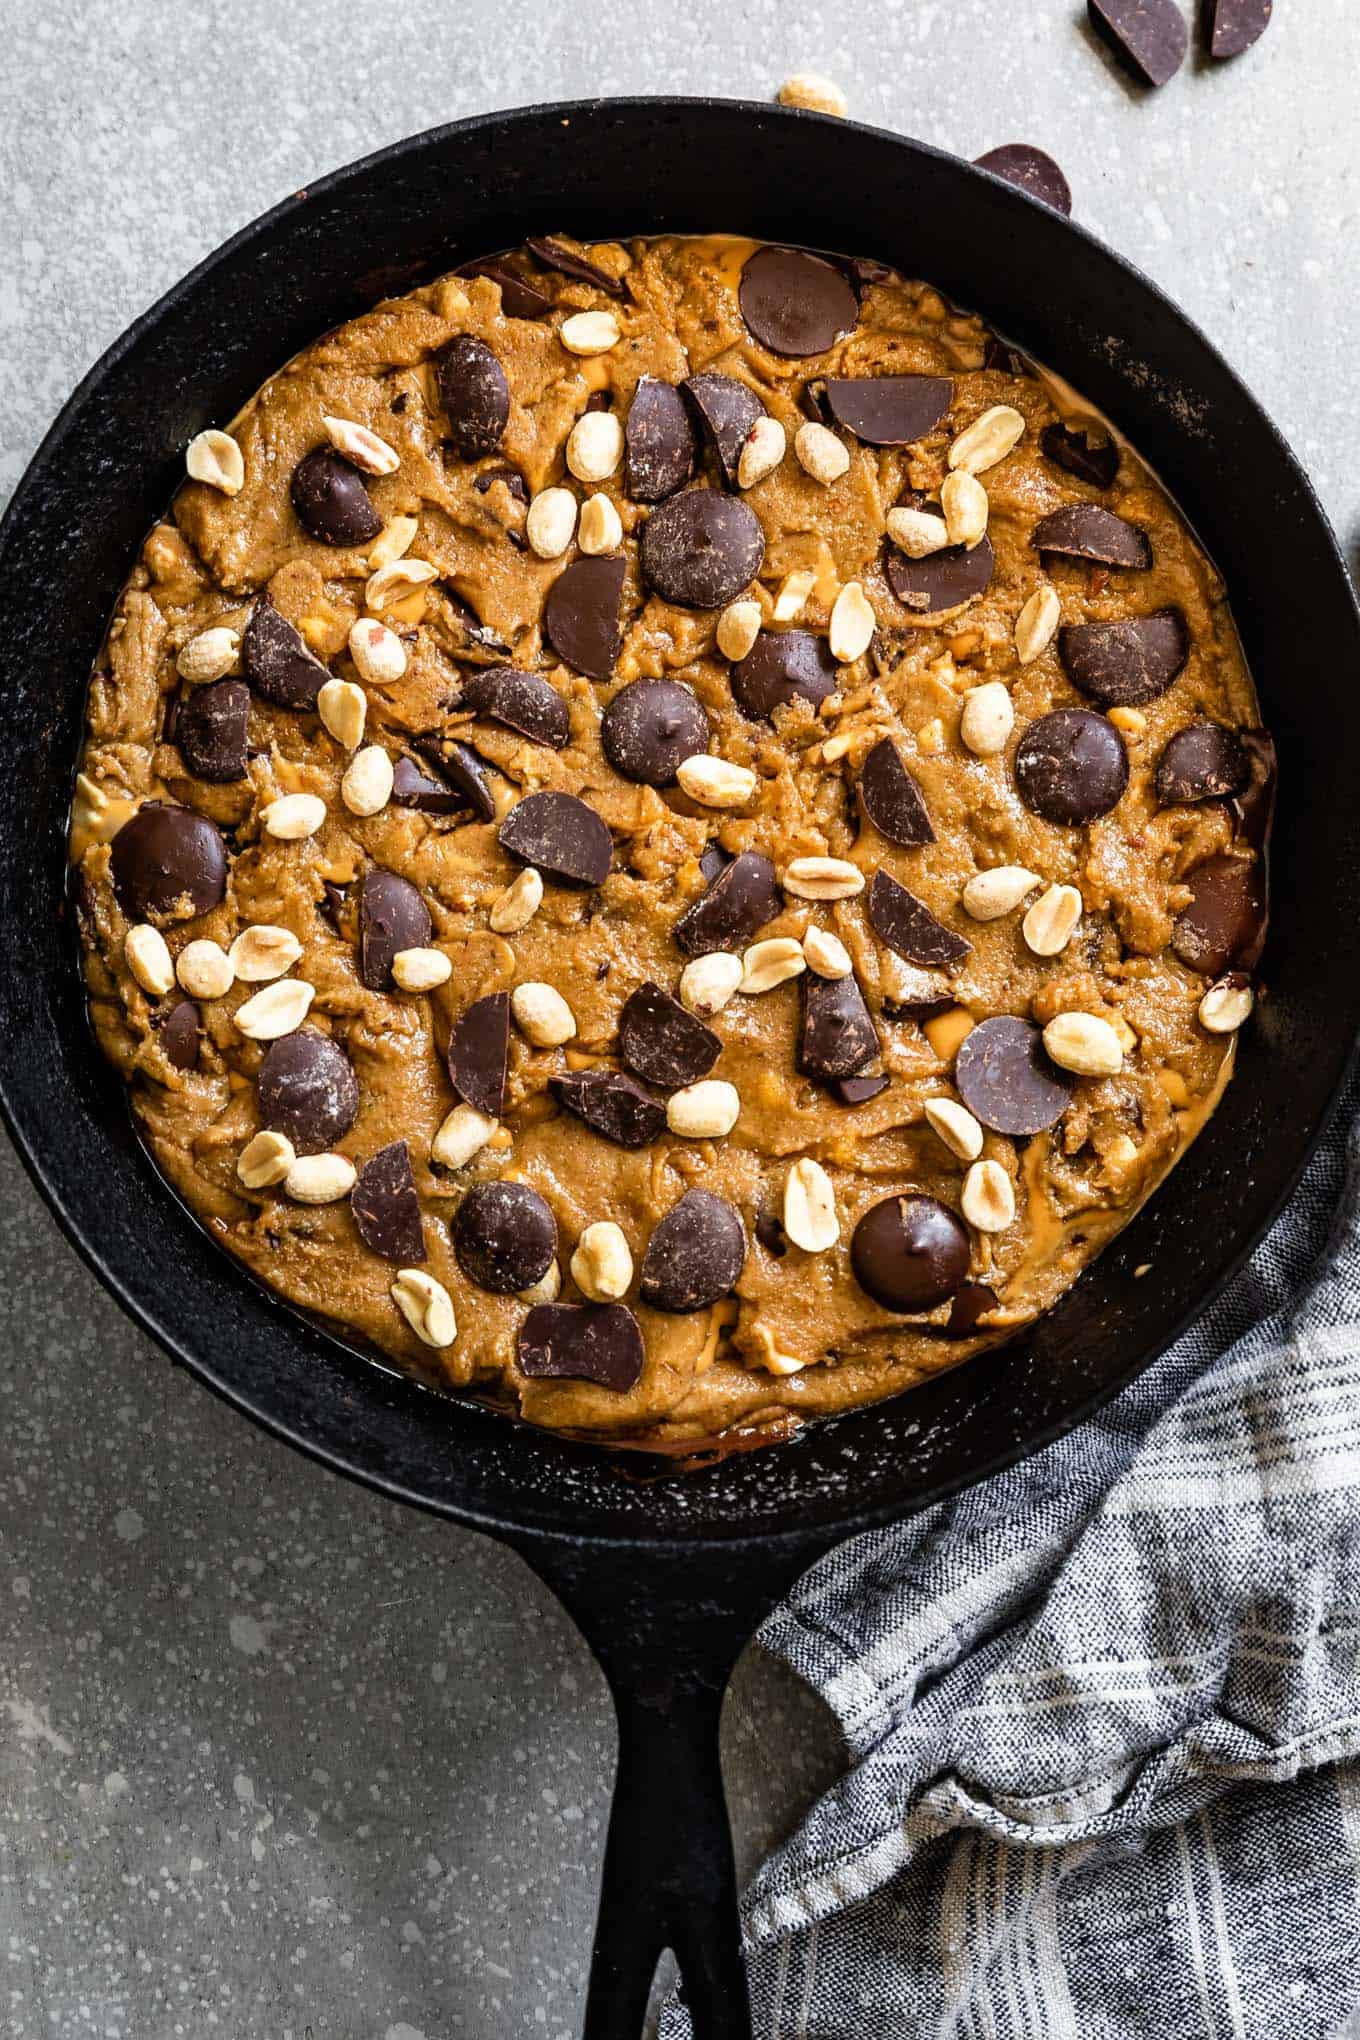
column 667, row 1578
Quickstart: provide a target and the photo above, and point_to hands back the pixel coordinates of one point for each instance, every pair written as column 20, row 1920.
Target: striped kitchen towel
column 1103, row 1712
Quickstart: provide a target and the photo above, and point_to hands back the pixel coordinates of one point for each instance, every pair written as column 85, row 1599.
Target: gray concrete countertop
column 278, row 1759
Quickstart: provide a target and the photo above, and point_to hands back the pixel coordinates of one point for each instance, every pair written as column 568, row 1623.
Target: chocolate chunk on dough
column 524, row 702
column 889, row 410
column 181, row 1031
column 1127, row 662
column 612, row 1104
column 581, row 615
column 796, row 303
column 1225, row 922
column 479, row 1055
column 1086, row 531
column 1071, row 766
column 562, row 837
column 1006, row 1080
column 505, row 1237
column 650, row 728
column 463, row 771
column 307, row 1089
column 1149, row 37
column 1072, row 448
column 700, row 549
column 520, row 299
column 392, row 917
column 412, row 788
column 659, row 451
column 662, row 1040
column 331, row 499
column 1032, row 170
column 783, row 666
column 168, row 864
column 1204, row 761
column 858, row 1090
column 838, row 1036
column 738, row 903
column 941, row 581
column 891, row 798
column 553, row 255
column 386, row 1208
column 910, row 1253
column 909, row 928
column 696, row 1254
column 599, row 1342
column 729, row 409
column 277, row 662
column 475, row 395
column 211, row 730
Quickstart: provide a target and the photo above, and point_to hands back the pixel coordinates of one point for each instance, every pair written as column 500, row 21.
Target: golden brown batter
column 440, row 741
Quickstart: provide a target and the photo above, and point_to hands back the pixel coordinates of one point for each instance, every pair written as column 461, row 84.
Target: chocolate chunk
column 1032, row 170
column 942, row 580
column 1203, row 762
column 838, row 1036
column 891, row 798
column 701, row 549
column 909, row 928
column 478, row 633
column 332, row 903
column 889, row 410
column 180, row 1034
column 1072, row 448
column 521, row 701
column 858, row 1090
column 1148, row 36
column 1127, row 662
column 736, row 906
column 412, row 788
column 505, row 1237
column 1255, row 805
column 999, row 354
column 612, row 1104
column 968, row 1306
column 909, row 1253
column 661, row 1040
column 331, row 499
column 464, row 771
column 581, row 616
column 392, row 917
column 168, row 863
column 782, row 666
column 696, row 1254
column 795, row 303
column 567, row 262
column 770, row 1229
column 714, row 860
column 475, row 394
column 650, row 728
column 729, row 409
column 307, row 1089
column 1071, row 766
column 1234, row 25
column 479, row 1053
column 1086, row 531
column 277, row 662
column 1006, row 1080
column 520, row 299
column 513, row 479
column 211, row 730
column 561, row 837
column 658, row 442
column 599, row 1342
column 1225, row 922
column 386, row 1208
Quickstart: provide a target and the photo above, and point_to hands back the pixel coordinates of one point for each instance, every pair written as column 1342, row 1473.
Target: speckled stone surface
column 277, row 1759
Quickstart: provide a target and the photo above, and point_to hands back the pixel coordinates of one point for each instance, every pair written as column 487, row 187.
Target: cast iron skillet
column 667, row 1579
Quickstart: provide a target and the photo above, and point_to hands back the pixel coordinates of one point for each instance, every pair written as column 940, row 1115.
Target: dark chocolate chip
column 909, row 1253
column 714, row 860
column 1225, row 922
column 412, row 788
column 1203, row 762
column 661, row 1040
column 308, row 1090
column 521, row 701
column 700, row 549
column 650, row 728
column 736, row 906
column 168, row 863
column 180, row 1035
column 889, row 410
column 392, row 917
column 520, row 299
column 1005, row 1078
column 475, row 395
column 837, row 1037
column 479, row 1053
column 970, row 1303
column 561, row 837
column 728, row 409
column 1234, row 25
column 1255, row 805
column 696, row 1254
column 332, row 903
column 211, row 730
column 1072, row 448
column 513, row 479
column 277, row 662
column 795, row 303
column 1127, row 662
column 942, row 580
column 1032, row 170
column 612, row 1104
column 599, row 1342
column 505, row 1237
column 891, row 798
column 332, row 500
column 658, row 442
column 581, row 615
column 464, row 771
column 783, row 666
column 1087, row 531
column 909, row 928
column 1148, row 36
column 770, row 1231
column 1071, row 766
column 858, row 1090
column 567, row 262
column 478, row 633
column 386, row 1208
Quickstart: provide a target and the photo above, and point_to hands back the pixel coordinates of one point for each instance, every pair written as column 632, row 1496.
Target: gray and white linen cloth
column 1103, row 1712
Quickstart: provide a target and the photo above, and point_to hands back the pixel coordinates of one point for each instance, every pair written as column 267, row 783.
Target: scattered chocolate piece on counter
column 1076, row 452
column 1032, row 170
column 858, row 1090
column 795, row 303
column 738, row 903
column 505, row 1237
column 560, row 836
column 277, row 661
column 661, row 1040
column 553, row 255
column 332, row 501
column 1127, row 662
column 941, row 581
column 464, row 772
column 909, row 928
column 307, row 1089
column 1202, row 762
column 891, row 798
column 479, row 1053
column 581, row 616
column 1005, row 1078
column 695, row 1255
column 475, row 396
column 910, row 1253
column 1087, row 531
column 1071, row 766
column 700, row 549
column 392, row 917
column 412, row 788
column 212, row 730
column 524, row 702
column 386, row 1208
column 1149, row 37
column 612, row 1104
column 837, row 1037
column 168, row 864
column 728, row 409
column 520, row 299
column 1224, row 926
column 1234, row 25
column 181, row 1031
column 599, row 1342
column 659, row 450
column 889, row 410
column 649, row 729
column 783, row 666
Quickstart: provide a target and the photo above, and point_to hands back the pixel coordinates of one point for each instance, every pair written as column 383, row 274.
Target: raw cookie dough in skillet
column 670, row 835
